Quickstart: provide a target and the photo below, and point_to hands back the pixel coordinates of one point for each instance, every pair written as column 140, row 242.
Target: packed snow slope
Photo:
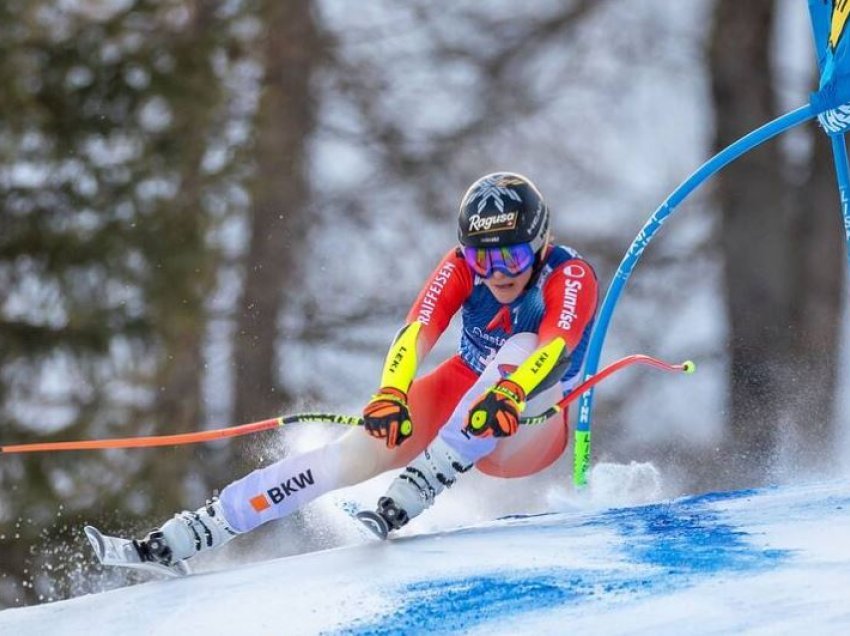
column 768, row 561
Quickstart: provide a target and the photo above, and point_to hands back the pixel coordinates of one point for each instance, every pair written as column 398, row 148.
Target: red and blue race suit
column 559, row 301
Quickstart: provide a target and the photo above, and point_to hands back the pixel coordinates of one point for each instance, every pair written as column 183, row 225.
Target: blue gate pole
column 746, row 143
column 842, row 175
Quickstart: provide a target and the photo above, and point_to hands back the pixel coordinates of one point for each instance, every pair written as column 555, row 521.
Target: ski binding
column 124, row 553
column 374, row 522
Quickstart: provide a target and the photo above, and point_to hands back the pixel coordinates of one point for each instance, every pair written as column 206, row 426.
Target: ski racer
column 527, row 308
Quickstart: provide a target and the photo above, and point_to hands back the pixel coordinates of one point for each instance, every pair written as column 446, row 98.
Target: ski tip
column 96, row 539
column 374, row 522
column 123, row 553
column 688, row 366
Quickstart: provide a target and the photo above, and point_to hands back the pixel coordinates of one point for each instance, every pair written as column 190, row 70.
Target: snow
column 774, row 560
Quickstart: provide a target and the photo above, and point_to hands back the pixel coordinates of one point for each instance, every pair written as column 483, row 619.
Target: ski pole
column 184, row 438
column 329, row 418
column 686, row 367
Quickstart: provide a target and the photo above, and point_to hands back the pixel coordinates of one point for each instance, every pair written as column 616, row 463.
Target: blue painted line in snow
column 688, row 537
column 680, row 542
column 452, row 605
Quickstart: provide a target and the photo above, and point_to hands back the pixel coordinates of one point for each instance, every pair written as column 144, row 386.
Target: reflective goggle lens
column 511, row 260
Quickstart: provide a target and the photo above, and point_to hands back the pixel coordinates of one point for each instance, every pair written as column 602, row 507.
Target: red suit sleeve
column 570, row 296
column 442, row 295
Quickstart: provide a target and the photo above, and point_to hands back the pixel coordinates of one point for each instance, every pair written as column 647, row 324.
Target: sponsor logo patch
column 497, row 189
column 536, row 220
column 575, row 271
column 501, row 222
column 840, row 13
column 286, row 489
column 568, row 310
column 260, row 503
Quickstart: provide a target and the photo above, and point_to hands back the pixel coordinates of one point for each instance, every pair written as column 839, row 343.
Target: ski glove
column 497, row 411
column 387, row 416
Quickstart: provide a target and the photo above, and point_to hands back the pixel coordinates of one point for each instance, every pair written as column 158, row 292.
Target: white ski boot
column 415, row 488
column 186, row 534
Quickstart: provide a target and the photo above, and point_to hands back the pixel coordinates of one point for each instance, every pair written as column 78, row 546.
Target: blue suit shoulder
column 563, row 253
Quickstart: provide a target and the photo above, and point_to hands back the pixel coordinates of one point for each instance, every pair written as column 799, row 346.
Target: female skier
column 527, row 308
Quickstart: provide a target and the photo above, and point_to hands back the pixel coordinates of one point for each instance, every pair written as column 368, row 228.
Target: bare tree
column 782, row 261
column 186, row 263
column 292, row 50
column 116, row 232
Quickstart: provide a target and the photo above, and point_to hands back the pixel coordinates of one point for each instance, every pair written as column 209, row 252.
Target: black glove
column 387, row 416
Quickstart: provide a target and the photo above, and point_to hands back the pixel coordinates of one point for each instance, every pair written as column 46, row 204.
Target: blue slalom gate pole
column 829, row 24
column 842, row 175
column 746, row 143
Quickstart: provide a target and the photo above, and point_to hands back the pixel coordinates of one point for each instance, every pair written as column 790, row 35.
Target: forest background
column 213, row 212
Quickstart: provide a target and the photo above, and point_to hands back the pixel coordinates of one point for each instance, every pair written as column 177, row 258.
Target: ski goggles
column 511, row 260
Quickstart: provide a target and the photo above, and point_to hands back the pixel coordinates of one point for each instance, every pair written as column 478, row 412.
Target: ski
column 123, row 553
column 374, row 522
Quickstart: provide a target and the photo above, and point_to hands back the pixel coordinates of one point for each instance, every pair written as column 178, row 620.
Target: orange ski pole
column 182, row 438
column 330, row 418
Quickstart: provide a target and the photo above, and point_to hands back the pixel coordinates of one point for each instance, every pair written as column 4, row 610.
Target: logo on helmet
column 499, row 190
column 536, row 220
column 495, row 223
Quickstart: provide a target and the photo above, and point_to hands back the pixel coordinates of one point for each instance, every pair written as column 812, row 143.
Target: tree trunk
column 780, row 267
column 281, row 199
column 818, row 294
column 186, row 273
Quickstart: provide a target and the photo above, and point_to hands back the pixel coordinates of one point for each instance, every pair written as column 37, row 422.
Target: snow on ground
column 767, row 561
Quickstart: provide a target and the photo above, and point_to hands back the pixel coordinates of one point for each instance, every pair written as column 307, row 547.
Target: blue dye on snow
column 453, row 605
column 458, row 604
column 689, row 538
column 680, row 543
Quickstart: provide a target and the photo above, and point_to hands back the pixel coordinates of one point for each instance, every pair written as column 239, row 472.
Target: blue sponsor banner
column 829, row 25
